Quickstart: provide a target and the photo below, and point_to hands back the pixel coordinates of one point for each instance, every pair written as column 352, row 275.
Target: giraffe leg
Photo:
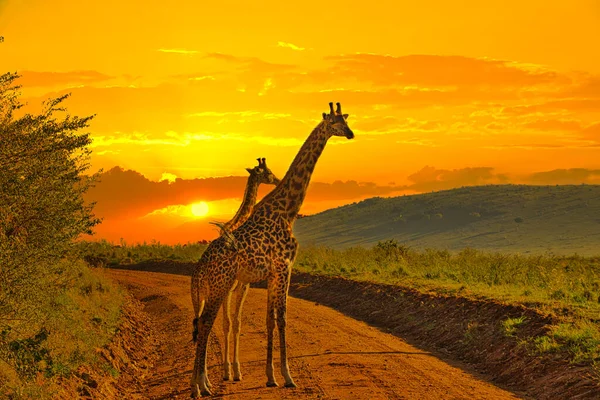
column 241, row 292
column 281, row 310
column 227, row 336
column 206, row 380
column 208, row 384
column 271, row 382
column 199, row 383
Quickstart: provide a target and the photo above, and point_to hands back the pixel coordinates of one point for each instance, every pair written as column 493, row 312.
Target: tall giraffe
column 259, row 174
column 266, row 249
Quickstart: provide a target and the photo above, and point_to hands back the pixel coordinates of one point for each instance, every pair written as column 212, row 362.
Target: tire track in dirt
column 331, row 356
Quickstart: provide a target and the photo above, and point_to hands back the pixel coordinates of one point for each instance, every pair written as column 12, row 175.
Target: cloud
column 251, row 63
column 188, row 138
column 436, row 70
column 592, row 132
column 554, row 125
column 127, row 194
column 178, row 51
column 555, row 106
column 588, row 86
column 430, row 178
column 372, row 124
column 40, row 79
column 530, row 146
column 290, row 46
column 248, row 113
column 349, row 190
column 124, row 193
column 417, row 142
column 495, row 126
column 398, row 83
column 201, row 78
column 571, row 176
column 166, row 176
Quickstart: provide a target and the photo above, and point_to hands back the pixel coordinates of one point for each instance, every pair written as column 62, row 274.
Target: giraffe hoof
column 290, row 385
column 226, row 378
column 272, row 384
column 206, row 392
column 237, row 378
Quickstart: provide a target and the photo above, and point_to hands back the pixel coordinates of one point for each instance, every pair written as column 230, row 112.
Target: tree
column 42, row 211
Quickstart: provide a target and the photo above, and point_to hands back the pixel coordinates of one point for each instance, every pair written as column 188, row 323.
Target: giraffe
column 265, row 249
column 259, row 174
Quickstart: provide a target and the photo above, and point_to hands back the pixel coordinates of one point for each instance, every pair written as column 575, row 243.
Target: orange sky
column 503, row 88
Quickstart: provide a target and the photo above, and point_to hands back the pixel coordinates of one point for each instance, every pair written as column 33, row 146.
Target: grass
column 79, row 319
column 510, row 325
column 558, row 281
column 108, row 254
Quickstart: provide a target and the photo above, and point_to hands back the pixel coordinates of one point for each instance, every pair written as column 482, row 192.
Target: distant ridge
column 562, row 219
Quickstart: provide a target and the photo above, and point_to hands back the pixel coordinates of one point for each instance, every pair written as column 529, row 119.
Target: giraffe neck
column 247, row 205
column 288, row 196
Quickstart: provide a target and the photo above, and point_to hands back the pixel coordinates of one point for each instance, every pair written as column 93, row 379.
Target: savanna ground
column 525, row 323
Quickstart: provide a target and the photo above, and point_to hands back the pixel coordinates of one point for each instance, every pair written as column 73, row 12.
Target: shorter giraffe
column 258, row 175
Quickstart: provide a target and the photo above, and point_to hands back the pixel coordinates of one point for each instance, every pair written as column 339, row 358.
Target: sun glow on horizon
column 200, row 209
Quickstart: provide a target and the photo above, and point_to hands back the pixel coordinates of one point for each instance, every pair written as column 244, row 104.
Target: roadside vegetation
column 55, row 312
column 106, row 254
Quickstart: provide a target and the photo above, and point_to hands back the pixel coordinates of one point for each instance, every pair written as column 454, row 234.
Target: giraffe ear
column 325, row 116
column 249, row 170
column 345, row 116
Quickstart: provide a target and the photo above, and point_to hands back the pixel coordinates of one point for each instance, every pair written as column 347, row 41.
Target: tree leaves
column 43, row 160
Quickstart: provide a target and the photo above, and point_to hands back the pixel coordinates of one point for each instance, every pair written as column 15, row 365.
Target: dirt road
column 331, row 356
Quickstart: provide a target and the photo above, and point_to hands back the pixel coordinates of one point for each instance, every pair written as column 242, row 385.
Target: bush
column 41, row 205
column 42, row 212
column 390, row 250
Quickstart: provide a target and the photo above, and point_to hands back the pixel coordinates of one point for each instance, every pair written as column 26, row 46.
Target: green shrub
column 47, row 295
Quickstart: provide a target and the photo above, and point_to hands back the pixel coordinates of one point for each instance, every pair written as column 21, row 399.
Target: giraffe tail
column 197, row 299
column 196, row 321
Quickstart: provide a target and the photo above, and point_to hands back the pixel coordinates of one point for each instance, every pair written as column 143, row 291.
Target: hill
column 562, row 219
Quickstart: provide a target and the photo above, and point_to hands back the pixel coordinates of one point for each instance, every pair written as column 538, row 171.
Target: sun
column 200, row 209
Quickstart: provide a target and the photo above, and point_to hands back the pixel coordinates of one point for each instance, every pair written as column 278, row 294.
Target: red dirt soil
column 331, row 356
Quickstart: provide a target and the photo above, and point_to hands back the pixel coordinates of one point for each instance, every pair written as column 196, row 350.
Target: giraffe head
column 335, row 122
column 263, row 173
